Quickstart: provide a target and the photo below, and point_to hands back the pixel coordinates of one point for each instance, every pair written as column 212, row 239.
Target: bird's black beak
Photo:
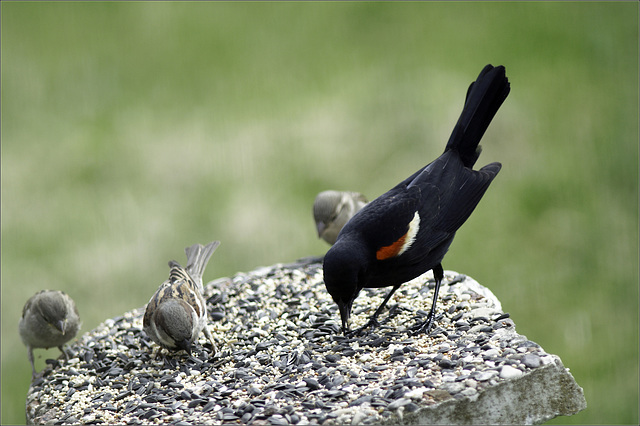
column 320, row 226
column 345, row 313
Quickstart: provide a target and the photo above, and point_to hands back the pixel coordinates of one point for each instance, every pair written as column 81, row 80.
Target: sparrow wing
column 179, row 286
column 151, row 308
column 27, row 306
column 192, row 297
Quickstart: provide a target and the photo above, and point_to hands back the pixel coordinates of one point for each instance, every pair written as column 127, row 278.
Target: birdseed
column 283, row 360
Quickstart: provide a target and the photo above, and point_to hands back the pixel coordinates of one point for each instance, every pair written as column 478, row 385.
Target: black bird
column 407, row 231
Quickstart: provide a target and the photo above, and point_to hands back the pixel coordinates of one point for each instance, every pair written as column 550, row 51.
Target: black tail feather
column 484, row 98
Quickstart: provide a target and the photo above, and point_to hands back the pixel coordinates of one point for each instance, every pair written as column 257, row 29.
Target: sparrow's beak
column 61, row 325
column 345, row 313
column 185, row 345
column 320, row 226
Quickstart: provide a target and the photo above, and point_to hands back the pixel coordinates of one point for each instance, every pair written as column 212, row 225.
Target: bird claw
column 64, row 352
column 373, row 322
column 351, row 333
column 207, row 333
column 423, row 327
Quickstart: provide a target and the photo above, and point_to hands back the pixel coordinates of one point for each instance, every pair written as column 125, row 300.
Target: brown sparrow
column 177, row 312
column 333, row 209
column 49, row 318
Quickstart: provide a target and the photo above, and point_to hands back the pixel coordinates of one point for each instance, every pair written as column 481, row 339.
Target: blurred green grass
column 131, row 130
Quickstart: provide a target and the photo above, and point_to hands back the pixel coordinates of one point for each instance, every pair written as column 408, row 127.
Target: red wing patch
column 403, row 243
column 391, row 251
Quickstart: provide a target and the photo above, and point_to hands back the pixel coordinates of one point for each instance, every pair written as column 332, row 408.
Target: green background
column 131, row 130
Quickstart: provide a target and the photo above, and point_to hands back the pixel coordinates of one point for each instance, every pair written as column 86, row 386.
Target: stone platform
column 283, row 361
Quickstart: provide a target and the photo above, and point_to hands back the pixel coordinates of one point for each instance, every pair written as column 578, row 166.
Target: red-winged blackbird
column 407, row 231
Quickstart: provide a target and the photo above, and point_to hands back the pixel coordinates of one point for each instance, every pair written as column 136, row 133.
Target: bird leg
column 438, row 275
column 158, row 355
column 64, row 352
column 207, row 333
column 33, row 367
column 373, row 320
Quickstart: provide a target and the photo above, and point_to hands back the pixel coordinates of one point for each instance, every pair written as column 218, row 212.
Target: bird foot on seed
column 423, row 327
column 372, row 323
